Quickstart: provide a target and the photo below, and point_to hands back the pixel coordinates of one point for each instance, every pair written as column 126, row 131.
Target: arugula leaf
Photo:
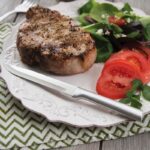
column 99, row 39
column 146, row 24
column 103, row 42
column 136, row 85
column 103, row 45
column 92, row 28
column 104, row 51
column 82, row 20
column 127, row 8
column 103, row 9
column 116, row 29
column 135, row 103
column 145, row 20
column 134, row 34
column 87, row 7
column 102, row 25
column 137, row 97
column 147, row 32
column 130, row 17
column 132, row 101
column 85, row 19
column 132, row 96
column 127, row 13
column 146, row 92
column 125, row 100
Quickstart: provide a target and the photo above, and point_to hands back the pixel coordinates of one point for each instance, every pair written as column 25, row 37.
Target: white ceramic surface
column 53, row 106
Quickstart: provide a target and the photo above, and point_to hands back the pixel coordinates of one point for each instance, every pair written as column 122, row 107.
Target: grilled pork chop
column 53, row 42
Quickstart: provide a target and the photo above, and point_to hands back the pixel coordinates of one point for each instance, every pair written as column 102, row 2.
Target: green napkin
column 21, row 128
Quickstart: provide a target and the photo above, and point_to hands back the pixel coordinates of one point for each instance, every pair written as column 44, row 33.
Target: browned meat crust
column 54, row 42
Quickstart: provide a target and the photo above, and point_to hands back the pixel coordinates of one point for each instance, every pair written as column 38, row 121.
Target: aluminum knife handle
column 74, row 91
column 126, row 110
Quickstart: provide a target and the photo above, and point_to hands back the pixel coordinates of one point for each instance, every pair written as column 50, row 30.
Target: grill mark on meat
column 47, row 34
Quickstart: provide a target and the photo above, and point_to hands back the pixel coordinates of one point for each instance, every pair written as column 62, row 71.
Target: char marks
column 47, row 34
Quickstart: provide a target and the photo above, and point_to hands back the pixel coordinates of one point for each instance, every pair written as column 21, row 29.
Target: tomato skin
column 136, row 46
column 147, row 72
column 122, row 68
column 133, row 57
column 116, row 79
column 145, row 52
column 120, row 22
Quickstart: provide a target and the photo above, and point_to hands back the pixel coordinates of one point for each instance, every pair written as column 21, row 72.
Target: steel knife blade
column 74, row 91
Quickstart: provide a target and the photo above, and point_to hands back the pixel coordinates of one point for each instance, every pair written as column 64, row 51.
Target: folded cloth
column 21, row 128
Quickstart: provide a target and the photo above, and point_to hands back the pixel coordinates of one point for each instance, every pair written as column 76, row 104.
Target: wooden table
column 139, row 142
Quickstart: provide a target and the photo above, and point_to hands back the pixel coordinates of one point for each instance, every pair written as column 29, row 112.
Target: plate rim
column 53, row 120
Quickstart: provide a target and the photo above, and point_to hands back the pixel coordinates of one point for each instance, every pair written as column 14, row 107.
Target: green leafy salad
column 133, row 96
column 111, row 27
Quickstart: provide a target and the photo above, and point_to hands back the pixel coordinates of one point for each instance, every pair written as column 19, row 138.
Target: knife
column 74, row 91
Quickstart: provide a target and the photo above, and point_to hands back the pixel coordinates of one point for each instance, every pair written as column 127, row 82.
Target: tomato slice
column 116, row 79
column 136, row 46
column 122, row 68
column 133, row 57
column 120, row 22
column 144, row 50
column 145, row 53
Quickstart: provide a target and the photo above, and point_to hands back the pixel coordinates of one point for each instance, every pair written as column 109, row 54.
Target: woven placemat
column 20, row 128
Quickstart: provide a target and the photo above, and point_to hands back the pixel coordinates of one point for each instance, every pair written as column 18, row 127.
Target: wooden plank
column 138, row 142
column 142, row 4
column 92, row 146
column 8, row 5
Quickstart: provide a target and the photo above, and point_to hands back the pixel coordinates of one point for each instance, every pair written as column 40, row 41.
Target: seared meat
column 53, row 42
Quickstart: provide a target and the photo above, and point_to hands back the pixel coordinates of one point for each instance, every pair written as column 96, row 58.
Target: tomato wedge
column 116, row 79
column 120, row 22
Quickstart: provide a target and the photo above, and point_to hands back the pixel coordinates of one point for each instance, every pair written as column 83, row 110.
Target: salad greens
column 127, row 8
column 109, row 37
column 99, row 11
column 87, row 7
column 147, row 32
column 104, row 46
column 146, row 92
column 133, row 96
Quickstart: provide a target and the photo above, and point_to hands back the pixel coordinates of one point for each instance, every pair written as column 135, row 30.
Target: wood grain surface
column 139, row 142
column 92, row 146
